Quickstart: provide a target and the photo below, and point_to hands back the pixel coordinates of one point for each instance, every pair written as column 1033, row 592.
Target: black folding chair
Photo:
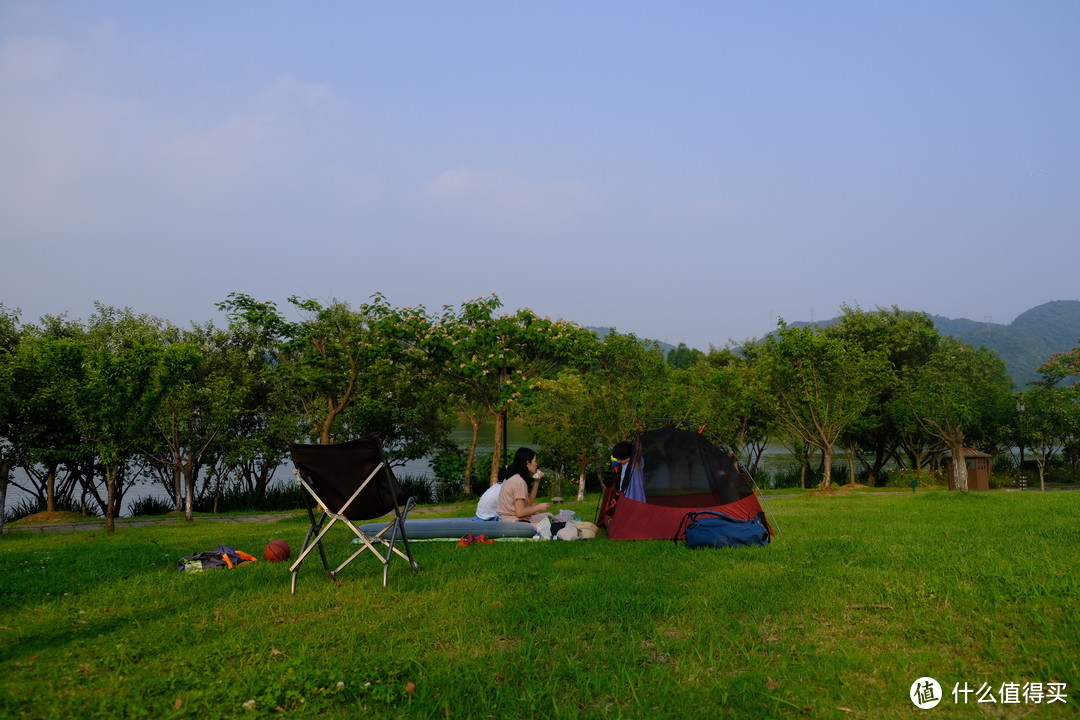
column 346, row 482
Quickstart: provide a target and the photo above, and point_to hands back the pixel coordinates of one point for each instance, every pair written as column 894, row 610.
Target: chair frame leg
column 395, row 529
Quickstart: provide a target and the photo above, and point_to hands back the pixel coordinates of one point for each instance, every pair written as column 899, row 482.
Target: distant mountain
column 1024, row 344
column 1028, row 341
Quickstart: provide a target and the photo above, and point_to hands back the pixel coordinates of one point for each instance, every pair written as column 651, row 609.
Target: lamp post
column 1020, row 408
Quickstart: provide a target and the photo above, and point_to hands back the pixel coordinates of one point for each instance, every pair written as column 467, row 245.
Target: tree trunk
column 471, row 457
column 50, row 488
column 826, row 470
column 177, row 491
column 266, row 473
column 497, row 445
column 189, row 486
column 752, row 452
column 959, row 467
column 880, row 457
column 110, row 496
column 5, row 474
column 582, row 466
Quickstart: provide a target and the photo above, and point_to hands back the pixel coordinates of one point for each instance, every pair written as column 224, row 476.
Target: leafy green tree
column 907, row 340
column 960, row 390
column 264, row 422
column 581, row 413
column 1050, row 418
column 561, row 419
column 345, row 372
column 407, row 398
column 683, row 357
column 914, row 442
column 723, row 391
column 321, row 361
column 1062, row 367
column 9, row 433
column 493, row 361
column 819, row 385
column 626, row 384
column 48, row 357
column 406, row 409
column 197, row 407
column 118, row 392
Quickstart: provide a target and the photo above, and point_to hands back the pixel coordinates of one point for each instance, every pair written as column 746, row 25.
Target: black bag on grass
column 708, row 528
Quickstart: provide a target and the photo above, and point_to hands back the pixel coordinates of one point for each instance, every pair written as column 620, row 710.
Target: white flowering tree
column 492, row 361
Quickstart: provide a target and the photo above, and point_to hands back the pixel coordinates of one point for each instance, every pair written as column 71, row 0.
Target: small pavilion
column 978, row 469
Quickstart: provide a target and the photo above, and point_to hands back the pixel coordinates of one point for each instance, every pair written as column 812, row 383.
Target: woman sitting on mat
column 515, row 498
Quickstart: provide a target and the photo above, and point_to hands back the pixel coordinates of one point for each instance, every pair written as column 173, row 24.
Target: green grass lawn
column 861, row 595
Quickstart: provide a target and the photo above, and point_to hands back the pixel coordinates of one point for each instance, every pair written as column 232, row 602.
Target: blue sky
column 687, row 171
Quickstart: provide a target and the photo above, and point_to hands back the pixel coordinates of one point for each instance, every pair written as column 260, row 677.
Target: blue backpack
column 708, row 528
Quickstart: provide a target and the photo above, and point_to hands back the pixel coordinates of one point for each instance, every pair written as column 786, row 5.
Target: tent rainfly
column 673, row 472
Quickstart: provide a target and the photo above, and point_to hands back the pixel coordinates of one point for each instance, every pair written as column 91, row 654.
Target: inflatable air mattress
column 441, row 528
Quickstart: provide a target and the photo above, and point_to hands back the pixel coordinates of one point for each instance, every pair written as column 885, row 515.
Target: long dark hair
column 520, row 466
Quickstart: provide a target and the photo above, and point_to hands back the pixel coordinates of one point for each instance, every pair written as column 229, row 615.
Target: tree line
column 86, row 407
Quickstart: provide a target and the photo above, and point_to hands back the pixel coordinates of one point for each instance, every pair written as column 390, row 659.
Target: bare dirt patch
column 831, row 491
column 52, row 517
column 835, row 490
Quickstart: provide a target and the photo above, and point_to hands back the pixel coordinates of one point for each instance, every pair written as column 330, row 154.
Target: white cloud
column 77, row 162
column 58, row 137
column 32, row 63
column 286, row 91
column 504, row 200
column 206, row 161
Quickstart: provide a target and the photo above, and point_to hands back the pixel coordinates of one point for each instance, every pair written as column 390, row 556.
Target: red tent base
column 635, row 520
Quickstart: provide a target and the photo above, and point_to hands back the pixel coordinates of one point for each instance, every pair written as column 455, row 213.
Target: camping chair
column 351, row 481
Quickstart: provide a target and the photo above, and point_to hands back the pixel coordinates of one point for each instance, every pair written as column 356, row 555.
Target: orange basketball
column 277, row 551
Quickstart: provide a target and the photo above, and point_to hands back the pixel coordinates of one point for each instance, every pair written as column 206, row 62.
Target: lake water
column 775, row 457
column 461, row 435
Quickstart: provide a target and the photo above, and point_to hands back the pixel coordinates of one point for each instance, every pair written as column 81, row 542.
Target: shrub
column 1003, row 464
column 419, row 488
column 451, row 492
column 240, row 499
column 150, row 505
column 282, row 497
column 25, row 508
column 449, row 469
column 784, row 477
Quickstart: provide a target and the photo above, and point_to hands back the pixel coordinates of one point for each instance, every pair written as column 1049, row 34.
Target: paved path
column 99, row 523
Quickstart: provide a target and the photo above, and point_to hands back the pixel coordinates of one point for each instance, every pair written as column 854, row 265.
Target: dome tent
column 673, row 472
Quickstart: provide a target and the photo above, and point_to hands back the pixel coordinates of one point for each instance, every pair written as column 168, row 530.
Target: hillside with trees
column 1024, row 344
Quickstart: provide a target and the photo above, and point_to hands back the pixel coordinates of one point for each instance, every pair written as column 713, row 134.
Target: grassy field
column 858, row 597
